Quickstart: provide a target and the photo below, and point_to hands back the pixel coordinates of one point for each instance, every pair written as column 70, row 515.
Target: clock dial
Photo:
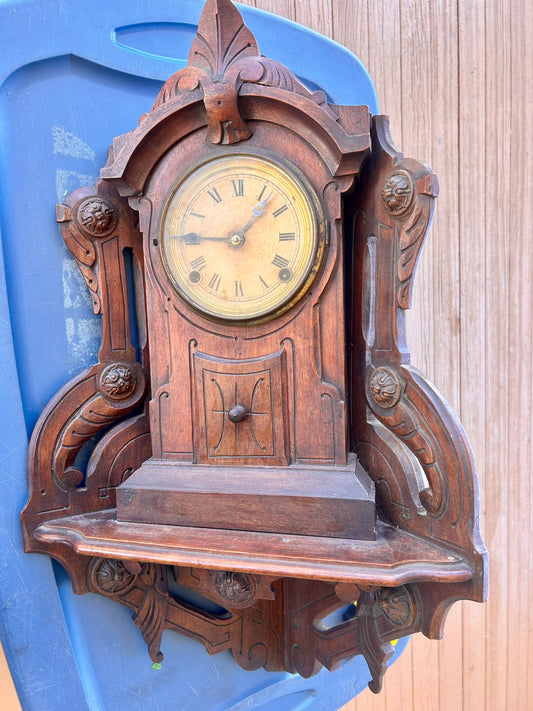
column 239, row 237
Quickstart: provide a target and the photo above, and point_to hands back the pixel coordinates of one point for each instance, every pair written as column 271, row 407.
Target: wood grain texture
column 468, row 66
column 288, row 365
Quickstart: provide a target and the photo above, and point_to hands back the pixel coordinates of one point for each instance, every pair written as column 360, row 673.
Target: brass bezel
column 294, row 175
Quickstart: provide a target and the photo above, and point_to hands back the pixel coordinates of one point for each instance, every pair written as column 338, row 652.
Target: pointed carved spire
column 222, row 40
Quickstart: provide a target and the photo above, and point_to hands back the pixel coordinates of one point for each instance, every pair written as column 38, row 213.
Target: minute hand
column 256, row 212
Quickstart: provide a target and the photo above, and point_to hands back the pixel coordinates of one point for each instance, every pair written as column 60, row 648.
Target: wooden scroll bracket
column 282, row 601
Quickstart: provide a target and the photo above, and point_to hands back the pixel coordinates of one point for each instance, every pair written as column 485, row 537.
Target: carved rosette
column 235, row 590
column 96, row 217
column 109, row 577
column 398, row 191
column 398, row 605
column 117, row 389
column 118, row 381
column 385, row 387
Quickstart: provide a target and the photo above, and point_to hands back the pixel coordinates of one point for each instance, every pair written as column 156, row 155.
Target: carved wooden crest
column 407, row 544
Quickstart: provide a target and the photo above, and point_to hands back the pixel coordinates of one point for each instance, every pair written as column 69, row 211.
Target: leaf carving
column 401, row 416
column 224, row 55
column 222, row 40
column 150, row 618
column 412, row 233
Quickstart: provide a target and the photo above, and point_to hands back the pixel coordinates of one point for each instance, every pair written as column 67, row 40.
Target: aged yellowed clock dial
column 240, row 237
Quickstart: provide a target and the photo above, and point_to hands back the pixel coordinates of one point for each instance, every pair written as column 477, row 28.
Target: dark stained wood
column 261, row 505
column 313, row 501
column 393, row 558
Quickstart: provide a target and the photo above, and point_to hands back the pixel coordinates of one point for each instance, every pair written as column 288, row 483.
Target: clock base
column 336, row 502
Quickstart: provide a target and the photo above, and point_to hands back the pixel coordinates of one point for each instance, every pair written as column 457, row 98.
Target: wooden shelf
column 394, row 558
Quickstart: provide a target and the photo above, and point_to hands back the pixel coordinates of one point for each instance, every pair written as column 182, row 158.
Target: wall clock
column 265, row 444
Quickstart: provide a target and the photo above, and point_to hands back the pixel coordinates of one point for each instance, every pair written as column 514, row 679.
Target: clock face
column 239, row 237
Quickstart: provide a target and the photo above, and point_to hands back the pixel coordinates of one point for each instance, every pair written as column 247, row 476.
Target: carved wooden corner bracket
column 372, row 619
column 98, row 405
column 410, row 438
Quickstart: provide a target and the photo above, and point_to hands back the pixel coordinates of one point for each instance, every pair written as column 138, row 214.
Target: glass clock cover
column 240, row 237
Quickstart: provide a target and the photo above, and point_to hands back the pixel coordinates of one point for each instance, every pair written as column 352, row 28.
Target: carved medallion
column 109, row 577
column 398, row 192
column 385, row 387
column 96, row 217
column 118, row 381
column 397, row 605
column 235, row 589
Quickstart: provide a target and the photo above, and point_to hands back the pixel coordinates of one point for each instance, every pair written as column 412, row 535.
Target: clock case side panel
column 95, row 431
column 405, row 433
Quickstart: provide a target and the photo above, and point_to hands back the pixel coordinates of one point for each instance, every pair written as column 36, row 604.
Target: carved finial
column 222, row 40
column 224, row 55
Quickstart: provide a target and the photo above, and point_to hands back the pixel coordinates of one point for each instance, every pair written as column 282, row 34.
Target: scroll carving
column 83, row 251
column 380, row 616
column 98, row 226
column 399, row 415
column 411, row 238
column 151, row 616
column 98, row 412
column 376, row 653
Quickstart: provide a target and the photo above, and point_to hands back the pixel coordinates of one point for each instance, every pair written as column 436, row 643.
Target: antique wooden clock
column 266, row 443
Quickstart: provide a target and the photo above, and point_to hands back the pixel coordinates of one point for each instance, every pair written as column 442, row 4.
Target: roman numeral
column 280, row 210
column 263, row 282
column 238, row 188
column 287, row 236
column 238, row 289
column 215, row 282
column 199, row 263
column 197, row 214
column 280, row 262
column 262, row 193
column 213, row 193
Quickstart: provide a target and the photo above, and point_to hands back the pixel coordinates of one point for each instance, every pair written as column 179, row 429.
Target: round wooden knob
column 237, row 413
